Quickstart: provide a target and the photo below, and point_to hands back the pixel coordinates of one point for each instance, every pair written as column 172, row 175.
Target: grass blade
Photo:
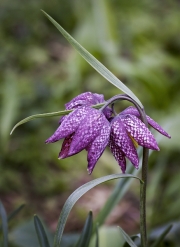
column 86, row 233
column 15, row 212
column 74, row 197
column 162, row 236
column 99, row 67
column 97, row 236
column 127, row 238
column 44, row 115
column 4, row 224
column 119, row 190
column 42, row 237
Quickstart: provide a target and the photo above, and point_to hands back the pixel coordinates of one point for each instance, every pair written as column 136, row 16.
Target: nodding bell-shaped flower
column 133, row 111
column 127, row 131
column 84, row 128
column 92, row 129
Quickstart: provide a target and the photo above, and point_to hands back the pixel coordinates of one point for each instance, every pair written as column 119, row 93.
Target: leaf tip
column 11, row 131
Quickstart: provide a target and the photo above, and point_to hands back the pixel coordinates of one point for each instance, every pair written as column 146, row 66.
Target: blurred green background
column 139, row 41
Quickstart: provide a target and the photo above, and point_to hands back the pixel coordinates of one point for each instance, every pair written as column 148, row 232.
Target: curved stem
column 144, row 168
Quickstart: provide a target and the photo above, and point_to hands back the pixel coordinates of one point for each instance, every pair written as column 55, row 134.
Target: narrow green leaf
column 97, row 236
column 127, row 238
column 43, row 115
column 4, row 224
column 86, row 233
column 118, row 192
column 42, row 237
column 162, row 236
column 50, row 114
column 73, row 198
column 99, row 67
column 134, row 237
column 15, row 212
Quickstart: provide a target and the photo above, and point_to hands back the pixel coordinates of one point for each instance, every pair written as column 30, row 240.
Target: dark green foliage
column 86, row 232
column 4, row 226
column 42, row 237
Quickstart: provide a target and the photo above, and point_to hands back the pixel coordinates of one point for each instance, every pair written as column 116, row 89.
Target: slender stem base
column 143, row 199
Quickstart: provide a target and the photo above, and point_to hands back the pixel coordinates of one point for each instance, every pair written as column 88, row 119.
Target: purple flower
column 84, row 128
column 91, row 129
column 133, row 111
column 87, row 99
column 126, row 130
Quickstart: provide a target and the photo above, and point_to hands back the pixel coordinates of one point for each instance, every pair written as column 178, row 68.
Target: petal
column 87, row 131
column 62, row 119
column 157, row 127
column 118, row 155
column 96, row 148
column 77, row 104
column 133, row 111
column 69, row 124
column 82, row 99
column 98, row 98
column 65, row 147
column 108, row 112
column 138, row 130
column 120, row 137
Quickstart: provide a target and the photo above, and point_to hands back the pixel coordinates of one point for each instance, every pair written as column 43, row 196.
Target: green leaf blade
column 162, row 236
column 74, row 197
column 43, row 115
column 99, row 67
column 49, row 114
column 4, row 224
column 42, row 237
column 15, row 212
column 86, row 233
column 97, row 236
column 127, row 238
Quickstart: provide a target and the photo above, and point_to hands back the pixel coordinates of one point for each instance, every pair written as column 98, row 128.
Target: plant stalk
column 142, row 113
column 143, row 189
column 143, row 199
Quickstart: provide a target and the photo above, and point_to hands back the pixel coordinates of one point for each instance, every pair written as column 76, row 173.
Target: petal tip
column 89, row 171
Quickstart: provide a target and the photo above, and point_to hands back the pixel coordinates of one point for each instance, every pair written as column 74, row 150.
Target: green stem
column 143, row 199
column 143, row 190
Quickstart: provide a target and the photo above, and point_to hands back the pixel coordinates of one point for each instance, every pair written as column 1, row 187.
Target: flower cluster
column 93, row 130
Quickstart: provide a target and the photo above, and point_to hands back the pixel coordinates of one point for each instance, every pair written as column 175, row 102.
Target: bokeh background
column 139, row 41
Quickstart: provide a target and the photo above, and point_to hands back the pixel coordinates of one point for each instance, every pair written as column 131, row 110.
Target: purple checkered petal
column 62, row 119
column 96, row 148
column 98, row 98
column 120, row 137
column 157, row 127
column 70, row 124
column 82, row 99
column 118, row 155
column 86, row 99
column 65, row 147
column 87, row 131
column 77, row 104
column 133, row 111
column 108, row 112
column 138, row 130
